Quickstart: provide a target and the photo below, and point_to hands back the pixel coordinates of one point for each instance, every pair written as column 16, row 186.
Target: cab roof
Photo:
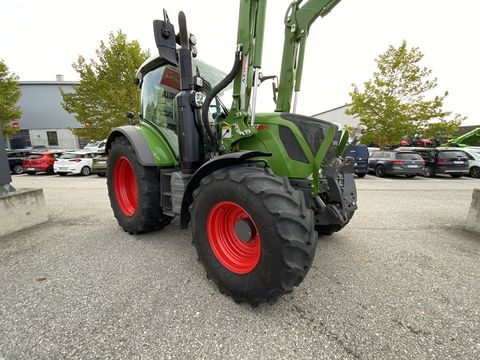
column 207, row 72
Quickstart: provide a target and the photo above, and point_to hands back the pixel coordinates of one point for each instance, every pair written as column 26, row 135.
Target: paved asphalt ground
column 402, row 280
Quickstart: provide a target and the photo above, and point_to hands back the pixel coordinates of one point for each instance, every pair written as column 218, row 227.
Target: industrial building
column 44, row 121
column 338, row 117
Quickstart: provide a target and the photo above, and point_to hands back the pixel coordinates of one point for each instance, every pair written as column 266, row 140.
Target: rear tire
column 18, row 169
column 380, row 171
column 50, row 171
column 135, row 202
column 85, row 171
column 269, row 263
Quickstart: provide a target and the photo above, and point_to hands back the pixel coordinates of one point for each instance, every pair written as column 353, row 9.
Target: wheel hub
column 245, row 230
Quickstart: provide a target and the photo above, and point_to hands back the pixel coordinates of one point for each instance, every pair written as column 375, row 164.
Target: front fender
column 150, row 146
column 223, row 161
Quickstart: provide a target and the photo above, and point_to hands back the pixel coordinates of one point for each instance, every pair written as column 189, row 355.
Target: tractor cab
column 159, row 82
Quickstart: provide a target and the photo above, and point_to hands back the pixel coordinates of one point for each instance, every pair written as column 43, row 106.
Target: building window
column 20, row 140
column 52, row 138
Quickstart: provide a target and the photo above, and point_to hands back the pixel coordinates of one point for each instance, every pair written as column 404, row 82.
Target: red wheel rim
column 125, row 186
column 240, row 257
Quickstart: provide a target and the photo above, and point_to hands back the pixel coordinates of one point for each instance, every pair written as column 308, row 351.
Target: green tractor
column 256, row 188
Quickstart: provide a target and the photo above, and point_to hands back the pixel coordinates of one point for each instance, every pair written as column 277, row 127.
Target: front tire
column 275, row 251
column 429, row 171
column 474, row 172
column 134, row 190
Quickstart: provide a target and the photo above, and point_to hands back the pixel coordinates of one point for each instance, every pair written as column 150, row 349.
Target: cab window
column 159, row 88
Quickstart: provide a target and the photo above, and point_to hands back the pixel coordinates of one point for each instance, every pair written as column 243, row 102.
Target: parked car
column 37, row 148
column 394, row 162
column 15, row 160
column 75, row 162
column 473, row 156
column 360, row 154
column 40, row 162
column 442, row 161
column 99, row 165
column 97, row 146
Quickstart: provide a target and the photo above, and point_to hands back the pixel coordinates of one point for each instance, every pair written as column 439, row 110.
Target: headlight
column 198, row 99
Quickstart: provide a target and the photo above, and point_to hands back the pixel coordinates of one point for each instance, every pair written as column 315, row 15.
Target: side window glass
column 159, row 88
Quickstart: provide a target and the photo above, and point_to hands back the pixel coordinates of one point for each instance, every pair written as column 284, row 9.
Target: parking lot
column 400, row 281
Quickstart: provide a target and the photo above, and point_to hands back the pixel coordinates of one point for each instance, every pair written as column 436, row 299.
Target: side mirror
column 165, row 39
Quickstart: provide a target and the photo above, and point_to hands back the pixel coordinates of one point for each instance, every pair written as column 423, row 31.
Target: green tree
column 9, row 96
column 107, row 90
column 395, row 102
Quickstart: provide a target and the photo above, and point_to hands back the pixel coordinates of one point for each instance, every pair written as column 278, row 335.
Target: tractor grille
column 313, row 131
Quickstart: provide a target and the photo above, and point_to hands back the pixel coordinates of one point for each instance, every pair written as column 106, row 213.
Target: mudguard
column 227, row 160
column 150, row 147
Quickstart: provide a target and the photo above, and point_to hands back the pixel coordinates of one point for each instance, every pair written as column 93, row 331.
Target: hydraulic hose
column 215, row 91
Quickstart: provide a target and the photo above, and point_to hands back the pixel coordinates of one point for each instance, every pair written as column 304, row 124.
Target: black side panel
column 223, row 161
column 144, row 154
column 291, row 144
column 313, row 130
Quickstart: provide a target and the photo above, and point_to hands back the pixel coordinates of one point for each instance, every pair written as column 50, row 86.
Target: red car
column 40, row 162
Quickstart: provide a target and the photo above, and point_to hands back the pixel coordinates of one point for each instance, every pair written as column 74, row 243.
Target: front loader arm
column 297, row 25
column 251, row 22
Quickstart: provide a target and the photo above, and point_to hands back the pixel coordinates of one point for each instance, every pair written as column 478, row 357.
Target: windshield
column 159, row 89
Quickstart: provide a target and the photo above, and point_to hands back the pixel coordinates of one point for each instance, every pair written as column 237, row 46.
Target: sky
column 39, row 39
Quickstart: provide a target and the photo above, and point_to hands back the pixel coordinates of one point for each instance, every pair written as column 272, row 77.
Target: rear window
column 375, row 154
column 359, row 152
column 451, row 154
column 408, row 156
column 35, row 156
column 72, row 156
